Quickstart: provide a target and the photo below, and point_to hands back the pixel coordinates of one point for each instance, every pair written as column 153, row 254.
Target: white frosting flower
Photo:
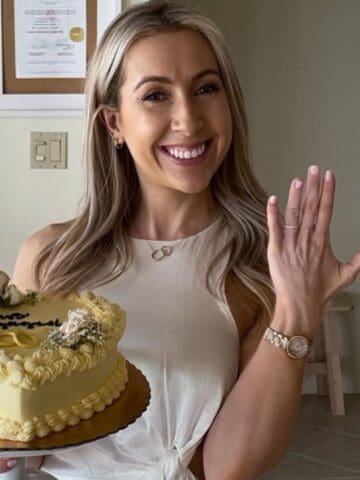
column 77, row 319
column 79, row 314
column 15, row 378
column 14, row 366
column 68, row 328
column 79, row 328
column 12, row 296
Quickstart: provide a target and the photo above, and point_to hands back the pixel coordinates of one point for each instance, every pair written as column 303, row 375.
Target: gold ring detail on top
column 160, row 253
column 18, row 339
column 291, row 226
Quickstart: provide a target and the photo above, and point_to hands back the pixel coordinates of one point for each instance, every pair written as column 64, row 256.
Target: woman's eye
column 154, row 97
column 207, row 88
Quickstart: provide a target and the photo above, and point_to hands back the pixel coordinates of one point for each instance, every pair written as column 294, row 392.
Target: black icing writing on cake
column 12, row 316
column 14, row 321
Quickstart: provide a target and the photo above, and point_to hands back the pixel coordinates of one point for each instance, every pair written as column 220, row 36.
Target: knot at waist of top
column 171, row 467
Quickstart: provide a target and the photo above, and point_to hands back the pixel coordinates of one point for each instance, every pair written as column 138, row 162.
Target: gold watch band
column 276, row 338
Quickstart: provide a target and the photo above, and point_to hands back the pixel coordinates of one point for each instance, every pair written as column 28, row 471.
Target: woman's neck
column 173, row 216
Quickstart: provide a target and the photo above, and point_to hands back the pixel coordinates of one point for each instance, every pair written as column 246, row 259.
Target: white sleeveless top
column 186, row 343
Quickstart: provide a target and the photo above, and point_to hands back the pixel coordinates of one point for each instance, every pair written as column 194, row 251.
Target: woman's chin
column 192, row 187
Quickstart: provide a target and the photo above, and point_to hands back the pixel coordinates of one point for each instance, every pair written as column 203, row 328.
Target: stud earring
column 118, row 145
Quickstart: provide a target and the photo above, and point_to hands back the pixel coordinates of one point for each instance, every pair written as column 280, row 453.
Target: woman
column 176, row 229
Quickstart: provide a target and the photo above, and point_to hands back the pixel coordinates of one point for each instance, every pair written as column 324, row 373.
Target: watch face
column 297, row 347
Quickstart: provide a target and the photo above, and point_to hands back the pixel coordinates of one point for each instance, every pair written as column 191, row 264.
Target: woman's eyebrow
column 162, row 79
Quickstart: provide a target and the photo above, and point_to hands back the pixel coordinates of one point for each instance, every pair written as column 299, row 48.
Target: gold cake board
column 132, row 402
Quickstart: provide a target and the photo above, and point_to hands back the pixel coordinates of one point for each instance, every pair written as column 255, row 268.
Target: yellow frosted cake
column 59, row 361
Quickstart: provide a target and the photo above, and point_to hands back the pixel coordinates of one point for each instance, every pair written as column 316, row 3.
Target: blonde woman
column 175, row 228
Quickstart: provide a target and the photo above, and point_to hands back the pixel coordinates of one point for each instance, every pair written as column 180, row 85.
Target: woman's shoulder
column 23, row 276
column 48, row 234
column 40, row 238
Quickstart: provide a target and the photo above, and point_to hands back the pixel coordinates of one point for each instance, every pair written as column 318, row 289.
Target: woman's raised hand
column 303, row 267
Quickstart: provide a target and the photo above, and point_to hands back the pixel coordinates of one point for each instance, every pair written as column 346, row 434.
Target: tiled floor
column 324, row 446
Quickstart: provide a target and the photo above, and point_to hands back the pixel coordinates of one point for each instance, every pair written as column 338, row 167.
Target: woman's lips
column 186, row 155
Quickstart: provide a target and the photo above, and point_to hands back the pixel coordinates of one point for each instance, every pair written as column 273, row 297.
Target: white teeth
column 183, row 153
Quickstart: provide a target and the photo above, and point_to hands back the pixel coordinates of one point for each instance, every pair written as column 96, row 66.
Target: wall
column 298, row 61
column 30, row 199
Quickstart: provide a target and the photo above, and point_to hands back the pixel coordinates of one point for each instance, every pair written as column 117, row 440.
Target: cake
column 59, row 360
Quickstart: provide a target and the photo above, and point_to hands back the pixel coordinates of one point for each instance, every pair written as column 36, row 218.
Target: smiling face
column 174, row 114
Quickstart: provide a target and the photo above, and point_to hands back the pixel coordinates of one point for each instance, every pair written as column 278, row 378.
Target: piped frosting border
column 95, row 402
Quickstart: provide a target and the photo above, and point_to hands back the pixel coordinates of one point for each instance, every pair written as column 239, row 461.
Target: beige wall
column 298, row 62
column 31, row 199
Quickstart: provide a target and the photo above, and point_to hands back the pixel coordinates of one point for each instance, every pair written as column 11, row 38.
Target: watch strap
column 290, row 344
column 276, row 338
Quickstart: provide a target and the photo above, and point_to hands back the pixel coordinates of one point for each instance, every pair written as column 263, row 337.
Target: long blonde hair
column 100, row 232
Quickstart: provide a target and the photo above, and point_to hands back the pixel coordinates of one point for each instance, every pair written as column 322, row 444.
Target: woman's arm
column 254, row 426
column 253, row 429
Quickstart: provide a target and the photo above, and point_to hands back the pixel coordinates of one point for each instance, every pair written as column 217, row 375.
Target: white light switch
column 55, row 151
column 40, row 154
column 49, row 150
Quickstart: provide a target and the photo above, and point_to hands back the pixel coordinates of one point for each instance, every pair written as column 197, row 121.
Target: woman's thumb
column 7, row 464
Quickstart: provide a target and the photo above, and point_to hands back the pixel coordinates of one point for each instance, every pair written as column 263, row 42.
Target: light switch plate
column 49, row 150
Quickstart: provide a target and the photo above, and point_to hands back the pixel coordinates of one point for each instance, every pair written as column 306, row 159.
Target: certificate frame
column 50, row 104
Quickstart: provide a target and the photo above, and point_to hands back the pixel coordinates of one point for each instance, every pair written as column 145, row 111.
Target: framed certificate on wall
column 44, row 52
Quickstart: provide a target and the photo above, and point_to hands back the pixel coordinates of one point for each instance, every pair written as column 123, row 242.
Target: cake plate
column 131, row 404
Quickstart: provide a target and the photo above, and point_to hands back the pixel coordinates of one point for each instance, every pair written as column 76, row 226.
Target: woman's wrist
column 294, row 320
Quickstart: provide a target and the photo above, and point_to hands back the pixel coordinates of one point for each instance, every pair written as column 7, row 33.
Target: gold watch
column 296, row 346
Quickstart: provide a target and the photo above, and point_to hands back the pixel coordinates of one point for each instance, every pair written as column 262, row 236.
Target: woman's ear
column 111, row 119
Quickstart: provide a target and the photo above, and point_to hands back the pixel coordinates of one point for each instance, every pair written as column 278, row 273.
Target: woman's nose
column 187, row 118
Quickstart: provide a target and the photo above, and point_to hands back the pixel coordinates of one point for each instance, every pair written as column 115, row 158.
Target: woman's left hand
column 303, row 267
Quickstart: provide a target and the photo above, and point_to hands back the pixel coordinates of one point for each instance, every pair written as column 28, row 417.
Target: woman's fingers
column 301, row 249
column 349, row 271
column 7, row 464
column 292, row 212
column 310, row 206
column 277, row 231
column 274, row 224
column 308, row 211
column 326, row 205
